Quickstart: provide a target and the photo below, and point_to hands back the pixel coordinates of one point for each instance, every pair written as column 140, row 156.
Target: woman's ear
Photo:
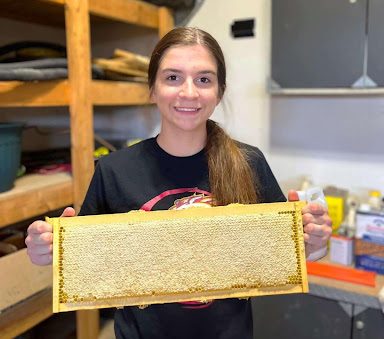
column 152, row 96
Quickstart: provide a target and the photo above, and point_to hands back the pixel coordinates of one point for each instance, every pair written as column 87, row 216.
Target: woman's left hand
column 317, row 225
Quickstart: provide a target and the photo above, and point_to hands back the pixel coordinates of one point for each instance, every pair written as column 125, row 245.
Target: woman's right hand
column 40, row 238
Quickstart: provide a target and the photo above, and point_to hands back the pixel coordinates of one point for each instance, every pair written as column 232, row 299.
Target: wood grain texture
column 81, row 110
column 119, row 66
column 106, row 93
column 25, row 315
column 81, row 113
column 14, row 287
column 35, row 194
column 132, row 11
column 34, row 94
column 166, row 21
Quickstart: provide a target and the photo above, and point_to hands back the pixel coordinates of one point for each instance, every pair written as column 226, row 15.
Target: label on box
column 369, row 243
column 370, row 263
column 369, row 224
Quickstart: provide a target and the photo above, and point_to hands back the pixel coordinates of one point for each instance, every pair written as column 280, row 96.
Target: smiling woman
column 187, row 79
column 191, row 162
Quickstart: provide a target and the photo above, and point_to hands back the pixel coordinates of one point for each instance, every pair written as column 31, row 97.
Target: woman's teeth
column 186, row 109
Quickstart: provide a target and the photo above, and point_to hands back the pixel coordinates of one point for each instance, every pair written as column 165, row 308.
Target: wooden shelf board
column 34, row 94
column 57, row 93
column 34, row 195
column 51, row 12
column 25, row 315
column 119, row 93
column 43, row 12
column 133, row 12
column 326, row 91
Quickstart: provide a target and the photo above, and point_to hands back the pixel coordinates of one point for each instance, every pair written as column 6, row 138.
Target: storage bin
column 10, row 153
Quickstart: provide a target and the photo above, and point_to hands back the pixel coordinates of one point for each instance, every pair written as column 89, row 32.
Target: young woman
column 192, row 160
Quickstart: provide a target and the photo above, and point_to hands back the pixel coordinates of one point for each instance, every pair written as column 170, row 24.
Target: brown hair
column 230, row 176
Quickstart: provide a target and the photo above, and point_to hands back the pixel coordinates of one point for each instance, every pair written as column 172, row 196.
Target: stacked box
column 369, row 242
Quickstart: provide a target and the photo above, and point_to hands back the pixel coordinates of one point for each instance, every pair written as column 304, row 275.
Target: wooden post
column 166, row 22
column 81, row 114
column 80, row 101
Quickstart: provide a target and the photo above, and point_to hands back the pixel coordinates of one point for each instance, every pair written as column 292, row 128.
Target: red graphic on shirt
column 199, row 198
column 149, row 205
column 196, row 200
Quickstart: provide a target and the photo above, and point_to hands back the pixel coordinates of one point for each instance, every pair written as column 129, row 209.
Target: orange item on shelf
column 342, row 273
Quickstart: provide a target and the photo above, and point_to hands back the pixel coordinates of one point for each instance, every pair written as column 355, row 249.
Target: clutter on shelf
column 358, row 227
column 125, row 64
column 39, row 61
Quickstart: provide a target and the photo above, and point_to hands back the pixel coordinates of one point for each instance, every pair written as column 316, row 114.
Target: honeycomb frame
column 81, row 243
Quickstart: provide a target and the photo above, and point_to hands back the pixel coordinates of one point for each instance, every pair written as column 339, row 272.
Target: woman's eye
column 205, row 80
column 172, row 77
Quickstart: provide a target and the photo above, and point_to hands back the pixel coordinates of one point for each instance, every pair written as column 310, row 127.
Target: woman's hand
column 40, row 238
column 317, row 225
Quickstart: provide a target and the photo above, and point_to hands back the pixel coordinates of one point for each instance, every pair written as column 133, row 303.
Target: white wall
column 246, row 101
column 333, row 140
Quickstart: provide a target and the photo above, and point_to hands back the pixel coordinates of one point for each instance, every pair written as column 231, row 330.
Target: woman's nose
column 189, row 90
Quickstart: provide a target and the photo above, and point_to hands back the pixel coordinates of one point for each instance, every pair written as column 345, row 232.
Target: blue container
column 10, row 153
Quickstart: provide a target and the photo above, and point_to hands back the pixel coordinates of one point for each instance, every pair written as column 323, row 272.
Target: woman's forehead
column 181, row 56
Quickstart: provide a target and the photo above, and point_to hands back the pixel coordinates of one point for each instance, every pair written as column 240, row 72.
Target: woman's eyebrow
column 207, row 72
column 174, row 70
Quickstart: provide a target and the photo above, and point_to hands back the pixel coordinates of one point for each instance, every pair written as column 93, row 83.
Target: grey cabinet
column 367, row 323
column 304, row 316
column 375, row 51
column 319, row 44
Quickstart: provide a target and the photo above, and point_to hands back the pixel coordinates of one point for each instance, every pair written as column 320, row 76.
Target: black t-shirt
column 144, row 176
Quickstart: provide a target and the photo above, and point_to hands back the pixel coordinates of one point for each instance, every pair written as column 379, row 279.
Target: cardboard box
column 369, row 242
column 341, row 249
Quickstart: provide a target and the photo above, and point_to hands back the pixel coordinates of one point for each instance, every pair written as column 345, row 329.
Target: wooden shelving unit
column 34, row 195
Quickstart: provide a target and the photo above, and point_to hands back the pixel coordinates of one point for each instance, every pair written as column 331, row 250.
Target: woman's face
column 186, row 88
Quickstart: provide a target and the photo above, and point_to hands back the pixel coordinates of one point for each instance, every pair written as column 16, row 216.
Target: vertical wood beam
column 80, row 104
column 81, row 115
column 87, row 324
column 166, row 22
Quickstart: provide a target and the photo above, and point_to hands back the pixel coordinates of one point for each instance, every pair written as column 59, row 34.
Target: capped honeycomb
column 196, row 254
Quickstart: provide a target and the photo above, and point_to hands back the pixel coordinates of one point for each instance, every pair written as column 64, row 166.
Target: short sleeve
column 95, row 199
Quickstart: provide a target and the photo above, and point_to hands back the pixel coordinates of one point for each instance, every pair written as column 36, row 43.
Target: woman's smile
column 182, row 109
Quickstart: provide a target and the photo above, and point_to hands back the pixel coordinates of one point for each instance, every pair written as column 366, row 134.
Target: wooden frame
column 120, row 239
